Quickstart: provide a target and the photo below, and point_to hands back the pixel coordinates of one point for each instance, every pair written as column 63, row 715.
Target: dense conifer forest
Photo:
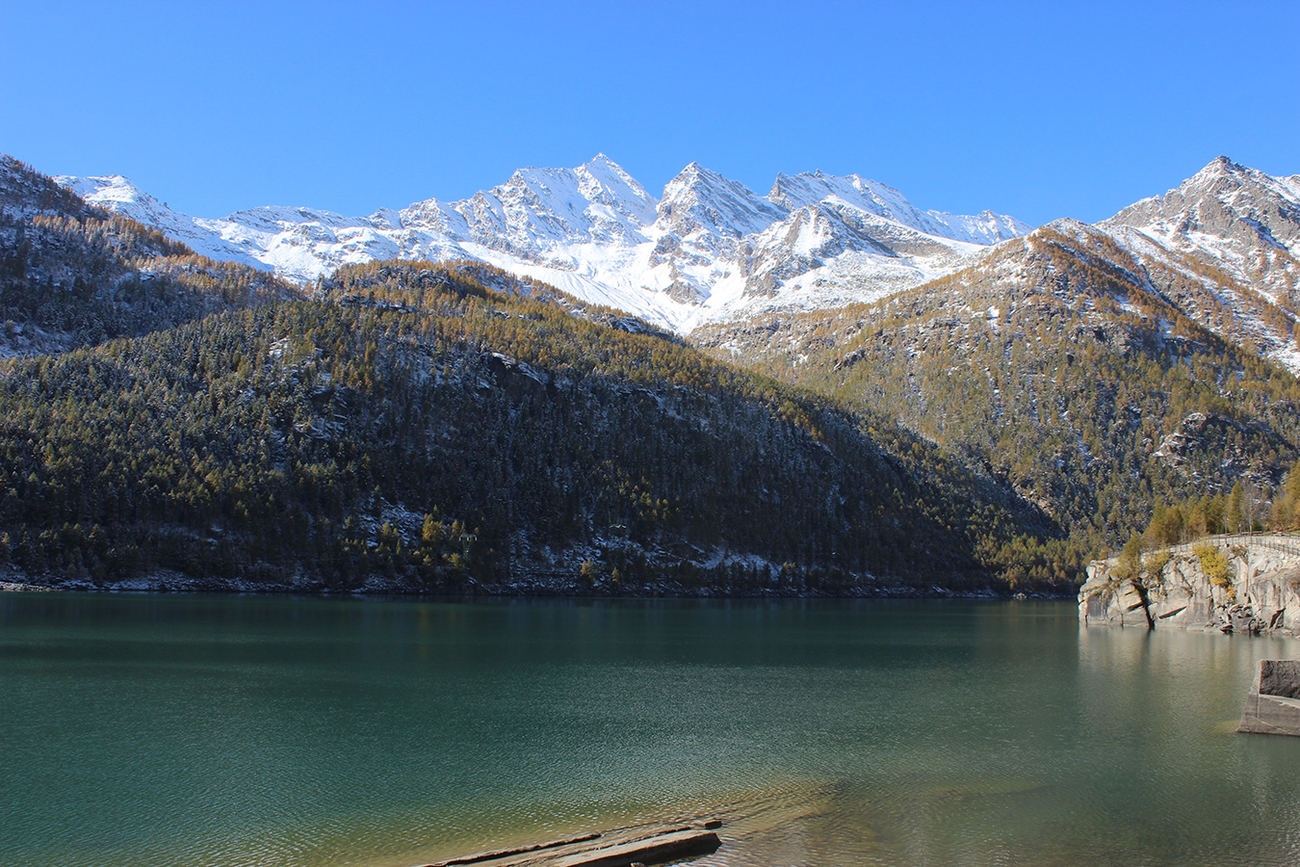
column 72, row 275
column 1063, row 369
column 413, row 429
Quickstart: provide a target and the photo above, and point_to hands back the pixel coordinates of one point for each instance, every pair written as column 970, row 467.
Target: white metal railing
column 1282, row 543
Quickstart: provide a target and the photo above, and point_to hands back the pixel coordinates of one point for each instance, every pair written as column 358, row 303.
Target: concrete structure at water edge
column 1273, row 705
column 1236, row 583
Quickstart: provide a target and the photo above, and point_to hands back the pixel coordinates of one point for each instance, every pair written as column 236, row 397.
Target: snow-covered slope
column 710, row 249
column 1230, row 217
column 1231, row 234
column 810, row 188
column 117, row 194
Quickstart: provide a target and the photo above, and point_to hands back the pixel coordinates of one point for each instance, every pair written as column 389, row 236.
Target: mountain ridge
column 1091, row 369
column 72, row 274
column 412, row 430
column 596, row 233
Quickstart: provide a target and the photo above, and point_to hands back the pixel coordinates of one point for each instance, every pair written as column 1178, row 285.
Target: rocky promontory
column 1236, row 583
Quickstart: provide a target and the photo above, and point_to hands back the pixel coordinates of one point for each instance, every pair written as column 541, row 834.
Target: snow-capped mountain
column 1231, row 217
column 711, row 212
column 538, row 210
column 1223, row 249
column 1231, row 235
column 709, row 249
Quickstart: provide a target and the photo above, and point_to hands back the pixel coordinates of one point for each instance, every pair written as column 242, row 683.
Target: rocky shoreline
column 16, row 587
column 523, row 588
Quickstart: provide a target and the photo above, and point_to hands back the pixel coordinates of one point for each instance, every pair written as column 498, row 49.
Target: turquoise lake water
column 192, row 730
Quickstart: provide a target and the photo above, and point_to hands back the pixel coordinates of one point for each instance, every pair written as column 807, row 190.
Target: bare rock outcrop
column 1239, row 583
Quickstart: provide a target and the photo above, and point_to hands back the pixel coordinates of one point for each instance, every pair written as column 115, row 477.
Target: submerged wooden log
column 656, row 850
column 499, row 854
column 620, row 847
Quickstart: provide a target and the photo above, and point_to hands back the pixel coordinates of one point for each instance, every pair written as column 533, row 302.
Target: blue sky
column 1040, row 110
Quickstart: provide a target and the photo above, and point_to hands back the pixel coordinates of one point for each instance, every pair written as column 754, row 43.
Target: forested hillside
column 1061, row 367
column 72, row 275
column 415, row 430
column 410, row 426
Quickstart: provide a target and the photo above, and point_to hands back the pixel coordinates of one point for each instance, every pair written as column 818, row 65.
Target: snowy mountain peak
column 611, row 175
column 605, row 181
column 711, row 248
column 1221, row 166
column 537, row 208
column 1235, row 231
column 103, row 189
column 701, row 202
column 1240, row 211
column 1222, row 173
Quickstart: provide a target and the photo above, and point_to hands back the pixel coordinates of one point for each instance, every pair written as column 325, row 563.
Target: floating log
column 621, row 847
column 656, row 850
column 498, row 854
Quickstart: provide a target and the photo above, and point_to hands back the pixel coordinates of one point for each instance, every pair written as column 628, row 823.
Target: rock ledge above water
column 1237, row 583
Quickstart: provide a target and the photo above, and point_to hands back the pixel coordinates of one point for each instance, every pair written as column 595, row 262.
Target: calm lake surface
column 187, row 730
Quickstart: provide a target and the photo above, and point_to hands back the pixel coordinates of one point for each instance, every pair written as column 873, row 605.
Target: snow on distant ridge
column 808, row 188
column 117, row 194
column 710, row 249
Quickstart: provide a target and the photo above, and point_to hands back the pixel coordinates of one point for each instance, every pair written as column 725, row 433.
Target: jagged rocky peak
column 432, row 215
column 873, row 197
column 804, row 240
column 596, row 202
column 605, row 181
column 1227, row 200
column 701, row 202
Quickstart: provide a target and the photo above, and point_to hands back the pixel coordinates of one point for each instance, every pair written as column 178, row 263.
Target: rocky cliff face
column 1242, row 584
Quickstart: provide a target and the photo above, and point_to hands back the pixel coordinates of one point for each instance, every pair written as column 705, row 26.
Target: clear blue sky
column 1039, row 109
